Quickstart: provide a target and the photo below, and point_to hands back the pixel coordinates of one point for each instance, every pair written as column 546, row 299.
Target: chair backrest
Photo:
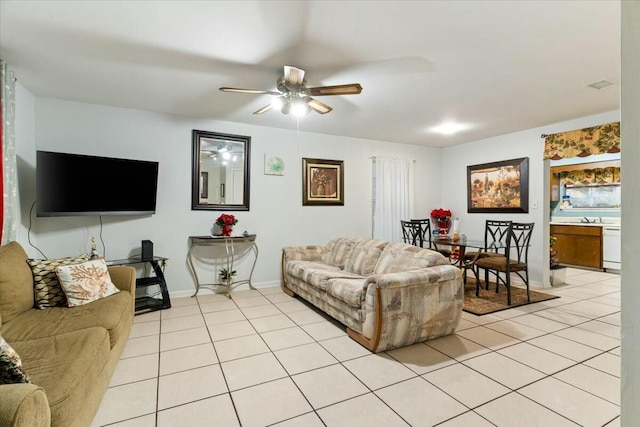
column 519, row 241
column 409, row 232
column 416, row 232
column 496, row 234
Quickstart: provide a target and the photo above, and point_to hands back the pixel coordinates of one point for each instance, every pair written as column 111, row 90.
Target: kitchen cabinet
column 578, row 245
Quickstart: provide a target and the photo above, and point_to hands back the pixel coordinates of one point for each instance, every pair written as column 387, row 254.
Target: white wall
column 276, row 215
column 25, row 156
column 526, row 143
column 630, row 133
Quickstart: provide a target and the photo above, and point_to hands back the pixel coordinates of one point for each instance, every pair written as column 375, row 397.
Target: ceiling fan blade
column 263, row 109
column 348, row 89
column 293, row 76
column 318, row 106
column 253, row 91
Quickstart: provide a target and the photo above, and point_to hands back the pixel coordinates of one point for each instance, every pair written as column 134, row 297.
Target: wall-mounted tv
column 74, row 184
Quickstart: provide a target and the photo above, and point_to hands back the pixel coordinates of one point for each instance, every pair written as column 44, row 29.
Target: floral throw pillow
column 47, row 290
column 11, row 371
column 86, row 282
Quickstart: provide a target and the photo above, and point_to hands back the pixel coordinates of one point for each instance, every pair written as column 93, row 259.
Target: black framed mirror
column 220, row 171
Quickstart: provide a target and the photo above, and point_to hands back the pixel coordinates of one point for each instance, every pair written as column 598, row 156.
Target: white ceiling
column 498, row 66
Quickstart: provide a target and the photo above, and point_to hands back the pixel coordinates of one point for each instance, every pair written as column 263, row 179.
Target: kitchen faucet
column 585, row 219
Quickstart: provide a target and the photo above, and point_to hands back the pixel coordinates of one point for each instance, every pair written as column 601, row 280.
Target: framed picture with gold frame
column 322, row 182
column 498, row 187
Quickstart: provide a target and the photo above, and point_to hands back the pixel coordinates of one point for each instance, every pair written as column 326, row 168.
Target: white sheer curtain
column 9, row 205
column 392, row 184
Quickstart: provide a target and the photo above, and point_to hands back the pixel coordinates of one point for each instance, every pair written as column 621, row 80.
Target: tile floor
column 264, row 358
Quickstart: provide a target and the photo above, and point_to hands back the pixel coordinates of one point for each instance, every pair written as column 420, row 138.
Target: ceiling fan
column 293, row 95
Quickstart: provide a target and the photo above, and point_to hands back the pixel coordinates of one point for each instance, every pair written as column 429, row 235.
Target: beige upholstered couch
column 388, row 294
column 68, row 353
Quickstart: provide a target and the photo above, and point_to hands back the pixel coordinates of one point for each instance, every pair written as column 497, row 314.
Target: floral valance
column 591, row 176
column 583, row 142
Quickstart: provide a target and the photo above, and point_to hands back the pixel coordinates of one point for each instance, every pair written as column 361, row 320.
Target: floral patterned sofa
column 388, row 294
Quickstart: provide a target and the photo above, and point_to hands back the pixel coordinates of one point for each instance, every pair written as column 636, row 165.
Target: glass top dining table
column 458, row 258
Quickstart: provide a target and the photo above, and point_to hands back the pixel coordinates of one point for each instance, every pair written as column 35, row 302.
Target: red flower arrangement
column 226, row 223
column 441, row 215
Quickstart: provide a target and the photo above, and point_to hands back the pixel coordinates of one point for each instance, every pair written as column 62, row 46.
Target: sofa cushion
column 106, row 313
column 16, row 282
column 364, row 256
column 349, row 291
column 399, row 257
column 86, row 282
column 48, row 292
column 11, row 371
column 70, row 368
column 316, row 273
column 340, row 250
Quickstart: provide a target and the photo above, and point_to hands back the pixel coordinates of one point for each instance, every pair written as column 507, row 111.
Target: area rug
column 490, row 302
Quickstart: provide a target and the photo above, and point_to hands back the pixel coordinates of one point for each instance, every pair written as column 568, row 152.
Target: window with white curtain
column 392, row 196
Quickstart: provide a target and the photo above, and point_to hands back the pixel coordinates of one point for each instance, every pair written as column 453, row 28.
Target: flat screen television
column 75, row 184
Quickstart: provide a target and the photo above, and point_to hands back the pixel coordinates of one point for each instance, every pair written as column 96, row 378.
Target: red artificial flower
column 226, row 219
column 441, row 214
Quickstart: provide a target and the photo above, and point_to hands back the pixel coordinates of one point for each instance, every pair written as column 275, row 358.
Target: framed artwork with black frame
column 498, row 187
column 322, row 182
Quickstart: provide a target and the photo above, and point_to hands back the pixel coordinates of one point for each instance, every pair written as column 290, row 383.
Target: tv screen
column 74, row 184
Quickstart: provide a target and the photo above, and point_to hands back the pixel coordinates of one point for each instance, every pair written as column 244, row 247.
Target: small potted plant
column 558, row 272
column 226, row 276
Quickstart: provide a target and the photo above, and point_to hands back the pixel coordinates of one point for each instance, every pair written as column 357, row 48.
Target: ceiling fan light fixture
column 449, row 128
column 277, row 102
column 300, row 107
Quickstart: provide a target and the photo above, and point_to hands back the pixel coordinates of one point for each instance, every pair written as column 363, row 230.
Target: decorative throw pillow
column 11, row 371
column 47, row 290
column 86, row 282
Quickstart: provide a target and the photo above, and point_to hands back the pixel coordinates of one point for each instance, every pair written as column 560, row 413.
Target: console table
column 235, row 247
column 149, row 303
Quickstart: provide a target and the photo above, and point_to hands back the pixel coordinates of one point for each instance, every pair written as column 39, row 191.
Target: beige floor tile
column 292, row 306
column 184, row 387
column 615, row 423
column 306, row 420
column 362, row 411
column 147, row 317
column 224, row 331
column 183, row 301
column 610, row 299
column 186, row 358
column 182, row 323
column 285, row 338
column 468, row 419
column 260, row 311
column 135, row 369
column 212, row 307
column 537, row 358
column 421, row 358
column 173, row 312
column 516, row 410
column 504, row 370
column 252, row 370
column 271, row 290
column 606, row 362
column 245, row 293
column 616, row 351
column 275, row 298
column 269, row 403
column 143, row 421
column 593, row 381
column 145, row 329
column 272, row 323
column 236, row 348
column 591, row 339
column 457, row 347
column 488, row 337
column 378, row 370
column 206, row 298
column 613, row 319
column 127, row 401
column 141, row 346
column 575, row 404
column 515, row 329
column 251, row 301
column 564, row 347
column 220, row 317
column 612, row 331
column 185, row 338
column 306, row 317
column 480, row 320
column 329, row 385
column 408, row 400
column 304, row 358
column 465, row 324
column 541, row 323
column 589, row 309
column 562, row 316
column 324, row 330
column 214, row 411
column 466, row 385
column 344, row 348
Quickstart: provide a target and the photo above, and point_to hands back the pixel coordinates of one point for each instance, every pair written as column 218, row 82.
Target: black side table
column 149, row 303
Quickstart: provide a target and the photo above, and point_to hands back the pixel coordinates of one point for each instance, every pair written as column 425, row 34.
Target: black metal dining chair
column 515, row 259
column 495, row 238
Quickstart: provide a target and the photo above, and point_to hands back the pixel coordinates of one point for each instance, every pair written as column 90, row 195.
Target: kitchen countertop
column 614, row 225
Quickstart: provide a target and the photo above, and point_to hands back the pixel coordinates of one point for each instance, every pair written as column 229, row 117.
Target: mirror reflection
column 220, row 171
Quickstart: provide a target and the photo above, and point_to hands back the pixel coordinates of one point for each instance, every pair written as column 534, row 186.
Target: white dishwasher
column 611, row 248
